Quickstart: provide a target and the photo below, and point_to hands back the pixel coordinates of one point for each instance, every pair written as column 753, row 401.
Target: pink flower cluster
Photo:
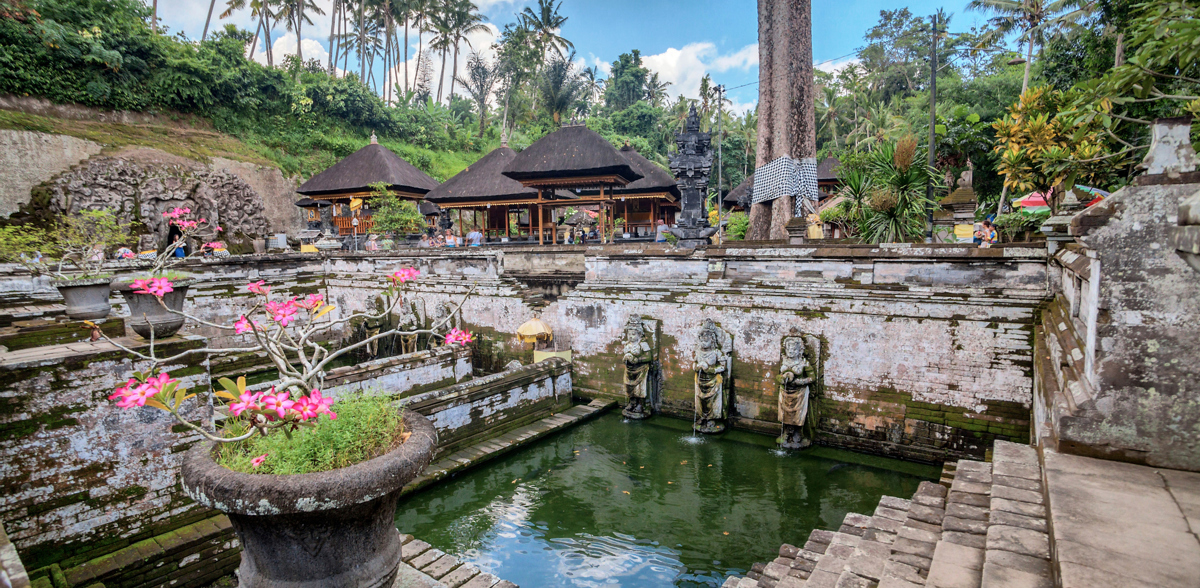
column 213, row 245
column 404, row 275
column 244, row 325
column 312, row 302
column 259, row 287
column 135, row 393
column 458, row 336
column 283, row 313
column 278, row 406
column 155, row 286
column 177, row 212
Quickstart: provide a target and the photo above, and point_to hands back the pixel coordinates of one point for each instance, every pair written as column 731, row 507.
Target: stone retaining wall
column 82, row 478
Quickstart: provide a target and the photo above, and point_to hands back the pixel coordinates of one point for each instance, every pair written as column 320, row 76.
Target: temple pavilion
column 577, row 159
column 347, row 186
column 481, row 195
column 641, row 204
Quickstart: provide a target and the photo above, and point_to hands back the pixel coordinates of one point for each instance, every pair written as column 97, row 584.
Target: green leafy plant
column 893, row 202
column 366, row 427
column 76, row 244
column 1012, row 224
column 736, row 225
column 393, row 214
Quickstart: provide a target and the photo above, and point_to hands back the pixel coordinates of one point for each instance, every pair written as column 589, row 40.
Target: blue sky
column 681, row 40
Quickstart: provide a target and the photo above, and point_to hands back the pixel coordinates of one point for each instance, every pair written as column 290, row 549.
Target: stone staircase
column 987, row 530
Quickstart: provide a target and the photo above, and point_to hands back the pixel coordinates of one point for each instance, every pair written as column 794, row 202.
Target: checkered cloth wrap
column 785, row 177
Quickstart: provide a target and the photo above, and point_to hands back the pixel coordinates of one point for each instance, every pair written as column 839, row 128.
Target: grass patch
column 367, row 427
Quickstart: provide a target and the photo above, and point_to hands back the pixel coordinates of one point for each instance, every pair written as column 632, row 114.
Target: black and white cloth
column 785, row 177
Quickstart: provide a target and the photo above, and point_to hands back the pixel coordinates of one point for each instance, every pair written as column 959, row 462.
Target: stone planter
column 85, row 299
column 146, row 314
column 331, row 529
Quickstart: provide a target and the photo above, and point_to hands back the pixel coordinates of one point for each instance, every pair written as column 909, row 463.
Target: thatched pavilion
column 490, row 197
column 572, row 158
column 347, row 185
column 644, row 202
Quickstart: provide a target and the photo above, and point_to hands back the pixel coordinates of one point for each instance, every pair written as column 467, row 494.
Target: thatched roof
column 828, row 168
column 572, row 152
column 371, row 164
column 483, row 180
column 309, row 203
column 655, row 180
column 737, row 193
column 428, row 208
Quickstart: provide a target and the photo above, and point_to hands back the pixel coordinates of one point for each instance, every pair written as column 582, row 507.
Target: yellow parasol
column 534, row 330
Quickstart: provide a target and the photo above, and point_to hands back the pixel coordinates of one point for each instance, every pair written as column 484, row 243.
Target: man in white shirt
column 660, row 232
column 474, row 238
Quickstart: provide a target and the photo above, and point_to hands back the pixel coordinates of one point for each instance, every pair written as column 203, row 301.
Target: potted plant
column 302, row 522
column 153, row 296
column 71, row 252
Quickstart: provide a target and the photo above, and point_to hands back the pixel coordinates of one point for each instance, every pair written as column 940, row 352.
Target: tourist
column 423, row 241
column 660, row 232
column 451, row 239
column 989, row 234
column 474, row 238
column 372, row 243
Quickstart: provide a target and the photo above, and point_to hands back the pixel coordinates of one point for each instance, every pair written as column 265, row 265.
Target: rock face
column 28, row 158
column 141, row 184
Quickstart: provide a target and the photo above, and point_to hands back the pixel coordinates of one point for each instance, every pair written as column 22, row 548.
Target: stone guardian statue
column 796, row 376
column 640, row 381
column 713, row 364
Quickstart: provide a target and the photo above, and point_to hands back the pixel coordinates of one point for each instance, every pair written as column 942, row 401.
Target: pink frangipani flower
column 458, row 336
column 159, row 287
column 404, row 275
column 247, row 401
column 139, row 286
column 258, row 460
column 283, row 312
column 312, row 302
column 243, row 325
column 277, row 403
column 259, row 287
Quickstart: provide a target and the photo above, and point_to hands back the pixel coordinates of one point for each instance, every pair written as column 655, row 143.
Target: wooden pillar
column 460, row 223
column 507, row 211
column 541, row 229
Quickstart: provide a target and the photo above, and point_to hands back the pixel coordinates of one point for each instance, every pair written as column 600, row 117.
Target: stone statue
column 795, row 379
column 638, row 358
column 713, row 364
column 404, row 317
column 373, row 325
column 967, row 178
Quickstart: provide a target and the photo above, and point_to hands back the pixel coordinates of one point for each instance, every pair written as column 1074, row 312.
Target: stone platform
column 1023, row 520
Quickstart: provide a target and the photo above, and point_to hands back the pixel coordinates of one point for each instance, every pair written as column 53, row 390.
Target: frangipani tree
column 287, row 332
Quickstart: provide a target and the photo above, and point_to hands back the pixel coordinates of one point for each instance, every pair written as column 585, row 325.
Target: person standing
column 989, row 234
column 660, row 232
column 474, row 238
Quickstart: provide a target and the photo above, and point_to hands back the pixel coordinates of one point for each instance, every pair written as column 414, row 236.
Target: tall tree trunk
column 1028, row 64
column 420, row 51
column 254, row 41
column 406, row 53
column 299, row 48
column 154, row 18
column 453, row 74
column 362, row 41
column 208, row 20
column 786, row 118
column 442, row 76
column 267, row 48
column 333, row 19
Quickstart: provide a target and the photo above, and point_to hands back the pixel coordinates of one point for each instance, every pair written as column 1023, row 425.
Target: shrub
column 738, row 224
column 366, row 427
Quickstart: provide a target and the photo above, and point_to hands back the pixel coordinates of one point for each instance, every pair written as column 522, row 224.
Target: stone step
column 1017, row 551
column 958, row 556
column 912, row 547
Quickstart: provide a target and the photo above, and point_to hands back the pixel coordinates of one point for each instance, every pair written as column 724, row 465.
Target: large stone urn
column 332, row 529
column 85, row 299
column 146, row 314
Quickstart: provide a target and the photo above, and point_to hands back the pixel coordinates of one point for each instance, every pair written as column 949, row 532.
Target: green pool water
column 633, row 504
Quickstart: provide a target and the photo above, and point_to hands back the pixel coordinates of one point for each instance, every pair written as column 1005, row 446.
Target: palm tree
column 656, row 90
column 560, row 86
column 747, row 129
column 260, row 9
column 421, row 12
column 464, row 20
column 208, row 20
column 480, row 78
column 593, row 83
column 1037, row 20
column 546, row 23
column 829, row 111
column 441, row 40
column 294, row 13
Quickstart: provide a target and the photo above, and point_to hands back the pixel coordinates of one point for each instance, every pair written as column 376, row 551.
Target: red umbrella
column 1035, row 199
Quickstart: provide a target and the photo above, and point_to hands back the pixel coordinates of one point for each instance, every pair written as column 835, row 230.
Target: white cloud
column 743, row 59
column 480, row 42
column 836, row 66
column 604, row 66
column 286, row 45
